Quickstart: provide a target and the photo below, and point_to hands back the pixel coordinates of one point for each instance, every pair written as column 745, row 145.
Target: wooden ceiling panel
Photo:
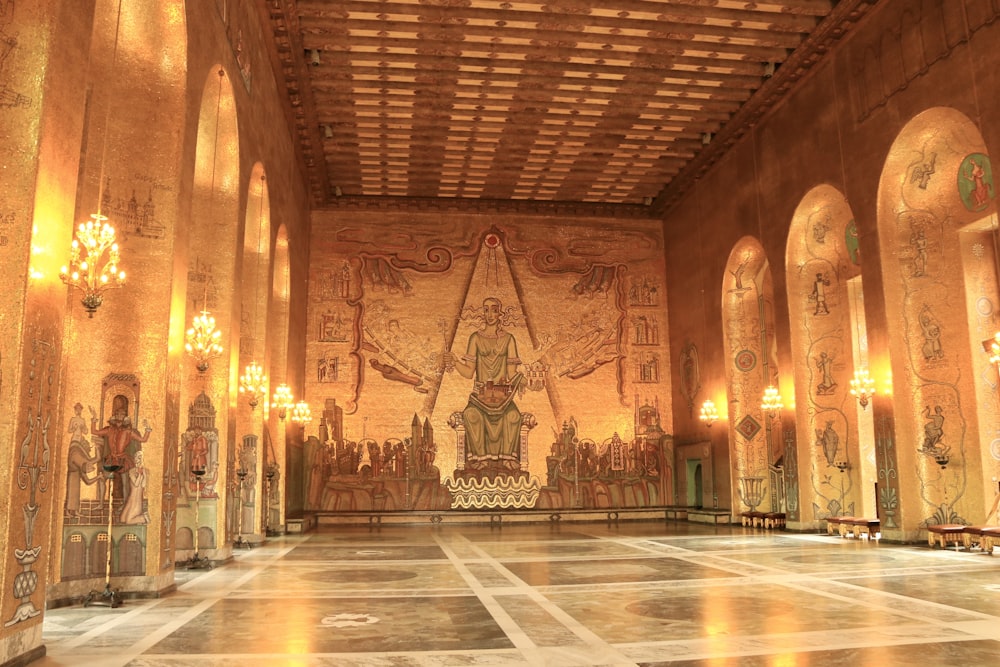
column 573, row 103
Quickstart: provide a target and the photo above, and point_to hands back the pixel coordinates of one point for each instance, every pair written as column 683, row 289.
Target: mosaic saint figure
column 119, row 433
column 932, row 335
column 132, row 511
column 81, row 466
column 818, row 295
column 492, row 419
column 823, row 363
column 933, row 428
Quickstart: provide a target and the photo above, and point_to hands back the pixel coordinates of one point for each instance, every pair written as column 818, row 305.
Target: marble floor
column 627, row 593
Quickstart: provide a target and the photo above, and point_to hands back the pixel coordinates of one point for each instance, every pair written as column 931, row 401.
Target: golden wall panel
column 394, row 306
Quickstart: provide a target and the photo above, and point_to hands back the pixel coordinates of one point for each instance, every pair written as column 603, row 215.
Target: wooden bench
column 945, row 534
column 754, row 519
column 870, row 528
column 774, row 520
column 989, row 538
column 838, row 525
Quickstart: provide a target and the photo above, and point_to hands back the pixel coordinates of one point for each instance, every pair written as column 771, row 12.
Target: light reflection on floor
column 628, row 593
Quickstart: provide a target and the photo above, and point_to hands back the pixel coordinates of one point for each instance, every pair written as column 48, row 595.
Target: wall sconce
column 253, row 383
column 992, row 347
column 862, row 387
column 313, row 57
column 88, row 270
column 842, row 465
column 709, row 414
column 771, row 403
column 201, row 341
column 283, row 400
column 942, row 459
column 301, row 414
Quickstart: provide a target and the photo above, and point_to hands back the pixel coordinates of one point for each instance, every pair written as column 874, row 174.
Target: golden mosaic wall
column 395, row 301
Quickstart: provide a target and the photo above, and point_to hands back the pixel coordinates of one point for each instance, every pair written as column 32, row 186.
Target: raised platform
column 491, row 517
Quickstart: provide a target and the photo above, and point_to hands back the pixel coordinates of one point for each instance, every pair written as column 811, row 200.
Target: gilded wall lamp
column 94, row 256
column 709, row 414
column 771, row 403
column 301, row 414
column 862, row 387
column 862, row 384
column 282, row 401
column 993, row 348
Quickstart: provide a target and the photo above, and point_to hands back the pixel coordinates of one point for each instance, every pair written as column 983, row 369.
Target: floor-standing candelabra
column 240, row 542
column 271, row 475
column 196, row 562
column 108, row 597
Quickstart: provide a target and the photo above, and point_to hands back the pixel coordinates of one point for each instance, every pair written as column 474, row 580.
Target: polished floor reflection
column 628, row 593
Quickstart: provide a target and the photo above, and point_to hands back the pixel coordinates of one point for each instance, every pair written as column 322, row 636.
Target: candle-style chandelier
column 301, row 414
column 771, row 403
column 201, row 341
column 709, row 414
column 862, row 387
column 282, row 401
column 93, row 262
column 994, row 349
column 94, row 256
column 253, row 383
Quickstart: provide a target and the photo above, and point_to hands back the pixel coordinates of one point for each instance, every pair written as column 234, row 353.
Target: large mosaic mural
column 462, row 368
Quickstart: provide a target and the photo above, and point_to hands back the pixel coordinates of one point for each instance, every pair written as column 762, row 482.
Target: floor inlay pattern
column 586, row 594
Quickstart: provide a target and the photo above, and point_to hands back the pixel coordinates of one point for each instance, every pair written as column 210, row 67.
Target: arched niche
column 209, row 265
column 834, row 471
column 756, row 448
column 131, row 161
column 277, row 341
column 936, row 228
column 247, row 453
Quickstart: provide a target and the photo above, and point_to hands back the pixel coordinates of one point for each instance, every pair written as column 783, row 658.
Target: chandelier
column 93, row 262
column 283, row 400
column 253, row 383
column 301, row 413
column 994, row 349
column 93, row 256
column 862, row 387
column 709, row 414
column 202, row 340
column 771, row 402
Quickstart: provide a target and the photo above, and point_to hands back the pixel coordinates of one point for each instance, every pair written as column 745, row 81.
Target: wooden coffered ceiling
column 606, row 104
